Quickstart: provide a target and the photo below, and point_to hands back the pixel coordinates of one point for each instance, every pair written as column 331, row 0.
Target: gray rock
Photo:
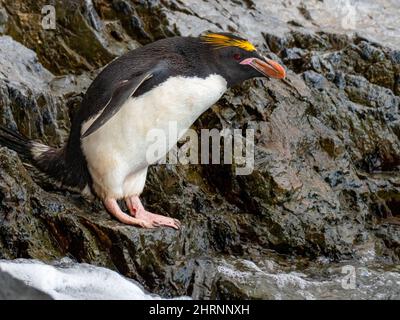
column 326, row 180
column 3, row 20
column 14, row 289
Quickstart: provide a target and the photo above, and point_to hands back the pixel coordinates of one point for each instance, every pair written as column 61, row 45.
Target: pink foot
column 114, row 209
column 137, row 210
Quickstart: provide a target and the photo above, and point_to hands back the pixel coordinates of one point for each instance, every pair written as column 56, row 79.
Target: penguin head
column 237, row 60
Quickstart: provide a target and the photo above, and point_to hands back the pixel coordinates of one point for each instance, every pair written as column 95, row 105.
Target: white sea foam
column 69, row 280
column 75, row 281
column 323, row 283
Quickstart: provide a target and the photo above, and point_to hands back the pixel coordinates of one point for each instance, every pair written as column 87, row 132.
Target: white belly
column 116, row 153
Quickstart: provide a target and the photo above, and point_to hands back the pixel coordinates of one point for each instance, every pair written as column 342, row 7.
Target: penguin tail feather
column 15, row 141
column 50, row 161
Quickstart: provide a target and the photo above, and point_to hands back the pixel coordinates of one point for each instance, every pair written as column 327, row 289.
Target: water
column 320, row 280
column 66, row 280
column 70, row 281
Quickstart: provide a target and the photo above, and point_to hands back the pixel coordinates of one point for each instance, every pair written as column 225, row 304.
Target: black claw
column 156, row 224
column 178, row 223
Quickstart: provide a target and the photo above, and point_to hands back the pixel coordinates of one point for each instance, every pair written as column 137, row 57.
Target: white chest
column 178, row 99
column 123, row 138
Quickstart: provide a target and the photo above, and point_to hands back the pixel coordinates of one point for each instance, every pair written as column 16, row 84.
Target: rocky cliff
column 326, row 181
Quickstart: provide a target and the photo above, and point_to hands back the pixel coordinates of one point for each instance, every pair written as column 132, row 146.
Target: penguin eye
column 237, row 56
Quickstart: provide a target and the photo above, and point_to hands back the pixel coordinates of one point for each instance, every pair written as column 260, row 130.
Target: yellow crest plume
column 220, row 40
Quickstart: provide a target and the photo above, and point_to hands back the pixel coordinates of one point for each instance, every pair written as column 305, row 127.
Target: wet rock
column 80, row 41
column 3, row 20
column 327, row 150
column 31, row 100
column 315, row 80
column 244, row 279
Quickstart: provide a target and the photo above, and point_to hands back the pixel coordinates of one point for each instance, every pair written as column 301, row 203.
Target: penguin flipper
column 125, row 89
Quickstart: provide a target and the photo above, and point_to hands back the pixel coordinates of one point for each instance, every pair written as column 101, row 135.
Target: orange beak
column 268, row 68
